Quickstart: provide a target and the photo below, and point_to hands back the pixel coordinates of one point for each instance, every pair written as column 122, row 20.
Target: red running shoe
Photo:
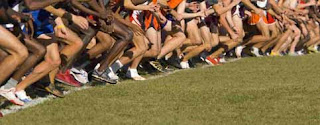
column 212, row 61
column 67, row 78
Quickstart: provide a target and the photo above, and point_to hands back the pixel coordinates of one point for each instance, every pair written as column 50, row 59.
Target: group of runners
column 66, row 40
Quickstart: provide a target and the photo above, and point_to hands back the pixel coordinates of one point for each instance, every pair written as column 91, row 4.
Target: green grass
column 272, row 90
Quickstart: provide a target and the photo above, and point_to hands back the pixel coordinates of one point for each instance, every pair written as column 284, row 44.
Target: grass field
column 271, row 90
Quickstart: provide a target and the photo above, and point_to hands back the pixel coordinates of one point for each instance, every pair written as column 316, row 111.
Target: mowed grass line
column 272, row 90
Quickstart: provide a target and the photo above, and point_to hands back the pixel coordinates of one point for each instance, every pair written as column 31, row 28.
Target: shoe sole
column 13, row 102
column 44, row 90
column 154, row 66
column 98, row 78
column 66, row 83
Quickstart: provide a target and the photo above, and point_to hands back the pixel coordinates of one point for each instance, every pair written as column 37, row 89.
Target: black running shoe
column 175, row 62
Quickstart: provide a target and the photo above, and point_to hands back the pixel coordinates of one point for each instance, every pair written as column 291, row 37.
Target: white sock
column 116, row 66
column 133, row 72
column 10, row 83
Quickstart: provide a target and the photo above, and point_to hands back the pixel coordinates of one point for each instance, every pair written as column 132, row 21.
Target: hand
column 60, row 31
column 236, row 29
column 80, row 21
column 201, row 14
column 151, row 7
column 16, row 18
column 234, row 36
column 179, row 17
column 103, row 15
column 104, row 27
column 30, row 28
column 92, row 22
column 259, row 12
column 157, row 7
column 136, row 29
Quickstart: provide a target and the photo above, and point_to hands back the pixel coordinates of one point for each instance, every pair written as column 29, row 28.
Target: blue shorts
column 41, row 22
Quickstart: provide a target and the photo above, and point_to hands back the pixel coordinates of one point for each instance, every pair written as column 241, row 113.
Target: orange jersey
column 174, row 3
column 150, row 20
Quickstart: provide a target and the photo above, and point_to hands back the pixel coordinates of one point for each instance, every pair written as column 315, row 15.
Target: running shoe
column 174, row 62
column 54, row 91
column 133, row 74
column 157, row 65
column 23, row 96
column 275, row 54
column 222, row 60
column 312, row 49
column 212, row 61
column 67, row 79
column 255, row 51
column 293, row 54
column 103, row 77
column 185, row 65
column 50, row 88
column 10, row 95
column 238, row 51
column 79, row 75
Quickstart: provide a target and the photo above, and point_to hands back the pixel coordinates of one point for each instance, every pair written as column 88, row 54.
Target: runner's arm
column 129, row 5
column 39, row 4
column 181, row 10
column 82, row 8
column 275, row 7
column 223, row 9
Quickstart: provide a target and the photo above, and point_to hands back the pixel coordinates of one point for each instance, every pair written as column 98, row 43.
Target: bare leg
column 18, row 53
column 125, row 36
column 38, row 51
column 52, row 61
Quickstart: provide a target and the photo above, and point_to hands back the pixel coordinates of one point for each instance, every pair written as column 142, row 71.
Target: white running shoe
column 300, row 52
column 133, row 74
column 293, row 54
column 255, row 51
column 23, row 96
column 10, row 95
column 80, row 75
column 109, row 72
column 184, row 65
column 223, row 60
column 238, row 51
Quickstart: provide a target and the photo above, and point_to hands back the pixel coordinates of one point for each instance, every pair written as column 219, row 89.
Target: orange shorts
column 270, row 19
column 255, row 18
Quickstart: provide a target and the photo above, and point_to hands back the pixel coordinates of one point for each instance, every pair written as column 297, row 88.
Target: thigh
column 120, row 30
column 9, row 42
column 52, row 52
column 263, row 28
column 205, row 33
column 139, row 41
column 274, row 29
column 71, row 37
column 193, row 32
column 239, row 25
column 33, row 45
column 152, row 35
